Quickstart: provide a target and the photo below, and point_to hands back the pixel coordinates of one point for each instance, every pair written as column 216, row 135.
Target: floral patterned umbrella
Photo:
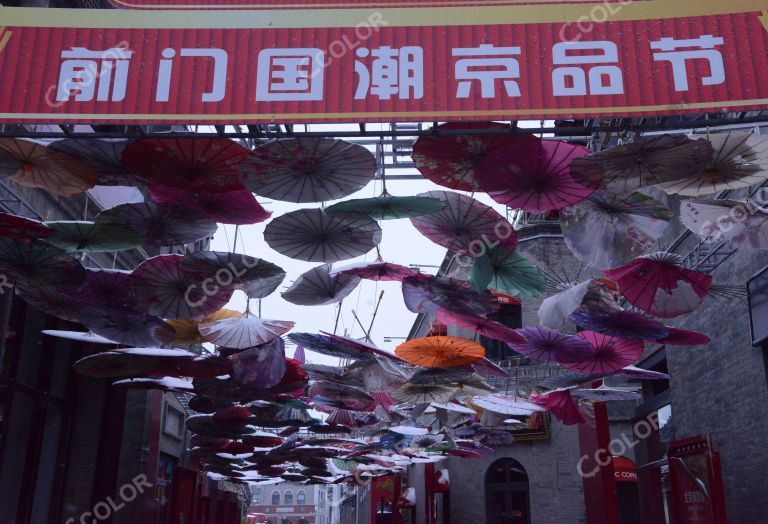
column 643, row 163
column 103, row 156
column 376, row 271
column 243, row 332
column 608, row 230
column 440, row 352
column 742, row 224
column 158, row 225
column 317, row 287
column 533, row 174
column 590, row 295
column 545, row 345
column 90, row 237
column 340, row 396
column 451, row 160
column 658, row 284
column 740, row 160
column 624, row 324
column 22, row 229
column 202, row 164
column 480, row 325
column 424, row 294
column 237, row 206
column 262, row 367
column 308, row 169
column 504, row 270
column 314, row 236
column 609, row 354
column 465, row 225
column 33, row 165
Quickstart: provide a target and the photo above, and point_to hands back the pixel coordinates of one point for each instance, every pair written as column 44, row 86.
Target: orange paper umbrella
column 440, row 352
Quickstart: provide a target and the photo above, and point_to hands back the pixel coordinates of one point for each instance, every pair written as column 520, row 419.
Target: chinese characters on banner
column 706, row 63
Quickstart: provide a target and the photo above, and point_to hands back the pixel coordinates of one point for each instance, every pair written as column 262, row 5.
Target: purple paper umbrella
column 465, row 225
column 102, row 287
column 608, row 353
column 550, row 346
column 428, row 294
column 624, row 324
column 262, row 367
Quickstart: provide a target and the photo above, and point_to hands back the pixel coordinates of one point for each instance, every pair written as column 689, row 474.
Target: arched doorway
column 506, row 493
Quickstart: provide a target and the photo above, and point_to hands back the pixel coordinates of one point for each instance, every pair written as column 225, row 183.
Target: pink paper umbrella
column 451, row 160
column 238, row 206
column 608, row 354
column 683, row 337
column 480, row 325
column 561, row 404
column 377, row 271
column 658, row 284
column 546, row 345
column 465, row 225
column 533, row 174
column 22, row 229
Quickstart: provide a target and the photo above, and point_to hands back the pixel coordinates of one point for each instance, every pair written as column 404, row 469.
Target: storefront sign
column 696, row 493
column 383, row 64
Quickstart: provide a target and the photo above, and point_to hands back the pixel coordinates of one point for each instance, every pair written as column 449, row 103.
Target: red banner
column 361, row 65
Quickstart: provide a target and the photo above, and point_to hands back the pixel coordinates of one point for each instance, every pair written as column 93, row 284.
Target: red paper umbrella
column 208, row 164
column 683, row 337
column 451, row 160
column 550, row 346
column 480, row 325
column 465, row 225
column 608, row 354
column 165, row 289
column 658, row 284
column 22, row 229
column 533, row 174
column 229, row 207
column 376, row 271
column 562, row 405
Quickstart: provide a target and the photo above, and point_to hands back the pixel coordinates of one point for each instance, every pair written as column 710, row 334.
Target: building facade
column 286, row 503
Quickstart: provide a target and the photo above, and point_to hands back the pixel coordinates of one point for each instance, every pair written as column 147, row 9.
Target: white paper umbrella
column 314, row 236
column 506, row 404
column 243, row 332
column 409, row 430
column 740, row 160
column 608, row 230
column 743, row 224
column 79, row 336
column 554, row 311
column 316, row 288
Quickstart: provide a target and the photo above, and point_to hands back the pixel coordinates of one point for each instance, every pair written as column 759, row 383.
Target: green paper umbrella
column 388, row 207
column 91, row 237
column 504, row 270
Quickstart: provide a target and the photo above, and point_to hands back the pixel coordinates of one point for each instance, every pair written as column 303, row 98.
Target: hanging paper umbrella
column 22, row 229
column 328, row 346
column 314, row 236
column 451, row 160
column 376, row 271
column 658, row 284
column 632, row 372
column 591, row 295
column 561, row 404
column 609, row 353
column 262, row 367
column 79, row 336
column 103, row 156
column 480, row 325
column 341, row 396
column 38, row 264
column 163, row 288
column 308, row 169
column 102, row 287
column 743, row 224
column 486, row 368
column 262, row 287
column 439, row 352
column 465, row 225
column 363, row 346
column 159, row 225
column 126, row 327
column 683, row 337
column 388, row 207
column 533, row 174
column 504, row 270
column 152, row 362
column 243, row 332
column 187, row 331
column 317, row 287
column 441, row 376
column 90, row 237
column 623, row 324
column 207, row 164
column 237, row 206
column 506, row 404
column 48, row 299
column 608, row 230
column 424, row 393
column 604, row 394
column 545, row 345
column 643, row 163
column 331, row 374
column 34, row 165
column 740, row 160
column 424, row 294
column 257, row 277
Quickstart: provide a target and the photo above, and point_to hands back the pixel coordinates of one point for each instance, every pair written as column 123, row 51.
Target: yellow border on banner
column 403, row 17
column 286, row 117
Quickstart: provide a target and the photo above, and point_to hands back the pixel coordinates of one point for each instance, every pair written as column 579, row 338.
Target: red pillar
column 596, row 466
